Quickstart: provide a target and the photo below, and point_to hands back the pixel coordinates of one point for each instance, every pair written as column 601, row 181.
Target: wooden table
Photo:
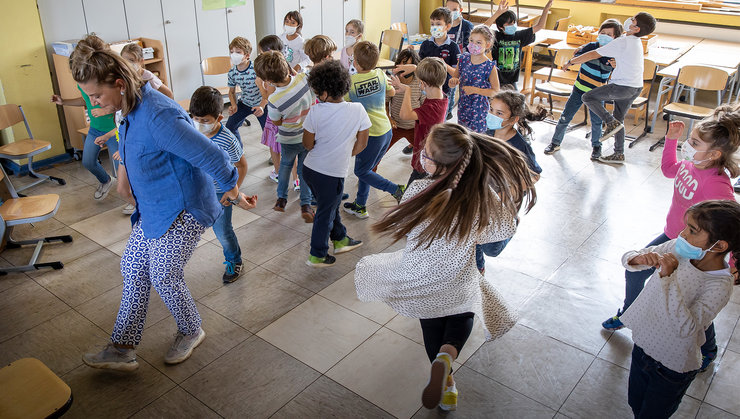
column 545, row 37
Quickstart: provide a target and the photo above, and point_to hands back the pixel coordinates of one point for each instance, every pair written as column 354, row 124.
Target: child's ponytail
column 517, row 104
column 722, row 131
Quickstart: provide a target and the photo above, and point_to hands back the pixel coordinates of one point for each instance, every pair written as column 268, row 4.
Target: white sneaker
column 103, row 190
column 297, row 185
column 112, row 358
column 128, row 209
column 183, row 347
column 274, row 176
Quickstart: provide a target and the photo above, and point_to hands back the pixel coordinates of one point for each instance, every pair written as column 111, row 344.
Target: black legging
column 449, row 330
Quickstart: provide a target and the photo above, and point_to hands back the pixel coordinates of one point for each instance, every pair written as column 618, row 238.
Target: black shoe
column 409, row 149
column 345, row 196
column 233, row 272
column 449, row 116
column 552, row 148
column 595, row 153
column 736, row 187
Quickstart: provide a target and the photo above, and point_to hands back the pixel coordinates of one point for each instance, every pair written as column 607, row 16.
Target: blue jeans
column 490, row 249
column 327, row 224
column 571, row 107
column 655, row 391
column 451, row 99
column 622, row 97
column 91, row 151
column 364, row 163
column 225, row 234
column 288, row 154
column 237, row 118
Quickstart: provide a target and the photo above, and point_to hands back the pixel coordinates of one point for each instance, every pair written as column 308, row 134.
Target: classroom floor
column 289, row 341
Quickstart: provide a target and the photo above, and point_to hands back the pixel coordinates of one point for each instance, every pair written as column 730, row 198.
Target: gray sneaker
column 103, row 190
column 112, row 358
column 610, row 129
column 183, row 347
column 128, row 209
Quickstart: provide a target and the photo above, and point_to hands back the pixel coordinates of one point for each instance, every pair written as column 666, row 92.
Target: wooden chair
column 24, row 148
column 393, row 39
column 562, row 24
column 32, row 390
column 400, row 26
column 213, row 66
column 559, row 82
column 15, row 211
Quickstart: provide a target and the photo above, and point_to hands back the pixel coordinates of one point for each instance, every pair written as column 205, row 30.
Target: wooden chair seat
column 687, row 111
column 25, row 147
column 555, row 88
column 224, row 90
column 25, row 208
column 557, row 75
column 32, row 390
column 639, row 101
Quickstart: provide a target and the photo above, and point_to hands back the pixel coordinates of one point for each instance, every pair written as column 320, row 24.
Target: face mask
column 688, row 152
column 455, row 14
column 422, row 89
column 628, row 24
column 437, row 31
column 349, row 40
column 205, row 129
column 510, row 30
column 475, row 49
column 603, row 39
column 236, row 58
column 289, row 30
column 687, row 250
column 494, row 122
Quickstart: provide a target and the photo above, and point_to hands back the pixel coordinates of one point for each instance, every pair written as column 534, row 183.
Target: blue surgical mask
column 455, row 14
column 603, row 39
column 687, row 250
column 510, row 30
column 494, row 122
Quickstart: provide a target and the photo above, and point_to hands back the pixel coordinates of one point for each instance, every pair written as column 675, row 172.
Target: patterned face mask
column 437, row 31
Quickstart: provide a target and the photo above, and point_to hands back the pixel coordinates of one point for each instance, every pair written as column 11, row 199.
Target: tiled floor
column 287, row 341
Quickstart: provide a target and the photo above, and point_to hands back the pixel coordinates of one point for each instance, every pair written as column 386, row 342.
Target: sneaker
column 129, row 209
column 400, row 189
column 432, row 394
column 317, row 262
column 232, row 272
column 103, row 190
column 595, row 153
column 358, row 211
column 552, row 148
column 610, row 129
column 736, row 187
column 408, row 150
column 183, row 347
column 280, row 205
column 449, row 399
column 706, row 360
column 297, row 185
column 273, row 176
column 613, row 323
column 615, row 158
column 307, row 213
column 449, row 116
column 112, row 358
column 345, row 245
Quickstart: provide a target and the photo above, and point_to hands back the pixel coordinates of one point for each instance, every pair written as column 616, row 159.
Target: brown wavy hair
column 722, row 132
column 477, row 178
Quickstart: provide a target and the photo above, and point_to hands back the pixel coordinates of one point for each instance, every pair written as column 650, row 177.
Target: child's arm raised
column 543, row 17
column 407, row 112
column 669, row 164
column 503, row 6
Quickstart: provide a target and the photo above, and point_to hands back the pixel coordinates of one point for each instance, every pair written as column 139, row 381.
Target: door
column 332, row 20
column 398, row 11
column 311, row 13
column 241, row 22
column 281, row 8
column 107, row 19
column 213, row 39
column 182, row 47
column 145, row 21
column 62, row 20
column 411, row 11
column 352, row 10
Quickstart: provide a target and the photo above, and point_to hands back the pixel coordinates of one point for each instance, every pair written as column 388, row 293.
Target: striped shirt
column 593, row 73
column 250, row 94
column 290, row 104
column 227, row 142
column 397, row 101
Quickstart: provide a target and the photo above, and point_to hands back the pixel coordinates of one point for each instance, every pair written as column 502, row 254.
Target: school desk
column 545, row 37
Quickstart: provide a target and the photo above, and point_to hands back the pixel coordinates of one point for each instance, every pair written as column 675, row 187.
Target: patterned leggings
column 157, row 262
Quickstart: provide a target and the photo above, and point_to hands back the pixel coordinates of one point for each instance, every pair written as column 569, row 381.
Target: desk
column 545, row 37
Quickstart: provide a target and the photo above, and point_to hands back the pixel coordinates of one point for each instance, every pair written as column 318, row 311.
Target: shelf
column 152, row 61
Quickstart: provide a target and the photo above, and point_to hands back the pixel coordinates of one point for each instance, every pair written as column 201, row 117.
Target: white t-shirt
column 336, row 126
column 627, row 51
column 293, row 51
column 153, row 80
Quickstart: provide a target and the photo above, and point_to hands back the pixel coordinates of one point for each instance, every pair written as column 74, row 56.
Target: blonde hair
column 319, row 47
column 485, row 32
column 432, row 71
column 135, row 50
column 241, row 43
column 93, row 61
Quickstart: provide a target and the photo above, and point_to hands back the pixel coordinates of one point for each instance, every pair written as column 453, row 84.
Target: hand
column 100, row 141
column 230, row 195
column 404, row 68
column 453, row 82
column 98, row 112
column 649, row 259
column 503, row 6
column 675, row 129
column 258, row 111
column 613, row 62
column 117, row 156
column 247, row 202
column 394, row 124
column 470, row 90
column 57, row 100
column 566, row 66
column 396, row 83
column 668, row 264
column 232, row 109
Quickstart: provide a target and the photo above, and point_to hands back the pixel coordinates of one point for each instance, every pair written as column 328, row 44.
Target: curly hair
column 330, row 77
column 517, row 104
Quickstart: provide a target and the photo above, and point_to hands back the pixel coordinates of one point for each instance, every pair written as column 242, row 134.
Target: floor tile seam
column 289, row 280
column 69, row 308
column 576, row 385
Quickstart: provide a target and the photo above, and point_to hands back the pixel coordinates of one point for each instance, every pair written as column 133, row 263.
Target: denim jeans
column 571, row 107
column 489, row 249
column 327, row 224
column 91, row 151
column 364, row 163
column 451, row 99
column 655, row 391
column 237, row 118
column 288, row 154
column 621, row 96
column 225, row 234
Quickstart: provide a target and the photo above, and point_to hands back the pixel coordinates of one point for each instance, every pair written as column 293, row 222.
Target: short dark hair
column 614, row 25
column 330, row 77
column 206, row 100
column 646, row 22
column 271, row 66
column 506, row 17
column 295, row 15
column 271, row 43
column 406, row 54
column 366, row 55
column 443, row 14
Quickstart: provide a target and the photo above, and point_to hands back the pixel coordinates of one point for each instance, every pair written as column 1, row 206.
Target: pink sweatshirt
column 691, row 185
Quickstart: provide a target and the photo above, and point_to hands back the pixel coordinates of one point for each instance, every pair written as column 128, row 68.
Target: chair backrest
column 393, row 39
column 703, row 77
column 215, row 65
column 400, row 26
column 562, row 24
column 10, row 115
column 649, row 69
column 562, row 56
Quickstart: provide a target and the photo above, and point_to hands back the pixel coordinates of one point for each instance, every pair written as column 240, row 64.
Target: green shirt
column 103, row 123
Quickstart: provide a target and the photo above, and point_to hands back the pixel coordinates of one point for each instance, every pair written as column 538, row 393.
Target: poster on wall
column 222, row 4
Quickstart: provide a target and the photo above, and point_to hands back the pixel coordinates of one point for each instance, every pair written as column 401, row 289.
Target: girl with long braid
column 475, row 188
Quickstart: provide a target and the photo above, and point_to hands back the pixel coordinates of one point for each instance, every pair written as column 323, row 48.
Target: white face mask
column 628, row 24
column 236, row 58
column 205, row 129
column 455, row 14
column 437, row 31
column 688, row 152
column 349, row 40
column 289, row 30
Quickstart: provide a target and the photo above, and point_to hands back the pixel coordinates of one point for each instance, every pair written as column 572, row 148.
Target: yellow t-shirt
column 369, row 90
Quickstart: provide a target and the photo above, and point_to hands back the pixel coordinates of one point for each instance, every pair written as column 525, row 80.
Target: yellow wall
column 377, row 16
column 25, row 74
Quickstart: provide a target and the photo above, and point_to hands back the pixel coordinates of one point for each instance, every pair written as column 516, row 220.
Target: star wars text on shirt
column 367, row 87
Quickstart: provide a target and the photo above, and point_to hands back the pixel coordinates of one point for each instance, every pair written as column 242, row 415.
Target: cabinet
column 406, row 11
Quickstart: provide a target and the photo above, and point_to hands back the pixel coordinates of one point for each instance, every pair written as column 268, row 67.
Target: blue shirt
column 593, row 73
column 246, row 80
column 518, row 142
column 168, row 163
column 460, row 34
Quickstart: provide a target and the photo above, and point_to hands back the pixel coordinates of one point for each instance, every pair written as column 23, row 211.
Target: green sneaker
column 317, row 262
column 359, row 211
column 345, row 245
column 400, row 189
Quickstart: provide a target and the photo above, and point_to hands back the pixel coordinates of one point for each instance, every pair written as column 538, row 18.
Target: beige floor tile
column 105, row 228
column 274, row 239
column 12, row 279
column 393, row 371
column 118, row 247
column 618, row 349
column 221, row 336
column 724, row 388
column 688, row 409
column 699, row 387
column 257, row 299
column 344, row 293
column 48, row 186
column 325, row 398
column 406, row 327
column 725, row 323
column 84, row 278
column 733, row 344
column 319, row 332
column 102, row 310
column 26, row 305
column 561, row 229
column 518, row 256
column 516, row 287
column 206, row 237
column 602, row 392
column 176, row 403
column 78, row 171
column 707, row 411
column 537, row 366
column 78, row 204
column 254, row 377
column 35, row 230
column 592, row 277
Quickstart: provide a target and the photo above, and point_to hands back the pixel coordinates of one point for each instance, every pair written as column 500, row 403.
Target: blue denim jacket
column 168, row 163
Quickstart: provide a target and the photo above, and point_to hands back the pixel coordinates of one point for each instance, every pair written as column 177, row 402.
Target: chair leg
column 41, row 178
column 38, row 245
